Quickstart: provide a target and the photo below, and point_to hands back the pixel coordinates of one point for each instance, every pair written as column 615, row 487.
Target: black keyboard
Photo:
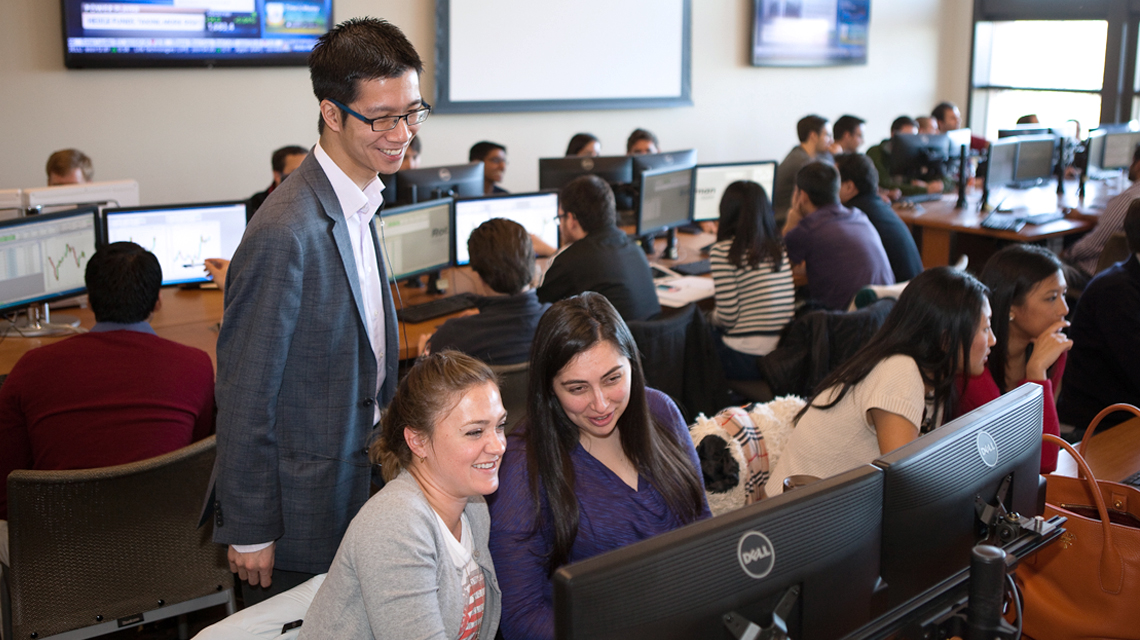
column 1133, row 480
column 921, row 197
column 1043, row 218
column 1003, row 222
column 698, row 268
column 435, row 308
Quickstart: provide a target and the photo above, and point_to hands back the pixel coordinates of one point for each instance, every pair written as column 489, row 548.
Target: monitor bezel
column 455, row 239
column 611, row 166
column 9, row 307
column 696, row 175
column 410, row 208
column 680, row 159
column 652, row 173
column 205, row 277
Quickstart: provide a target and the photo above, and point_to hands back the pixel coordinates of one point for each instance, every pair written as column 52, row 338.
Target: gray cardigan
column 393, row 578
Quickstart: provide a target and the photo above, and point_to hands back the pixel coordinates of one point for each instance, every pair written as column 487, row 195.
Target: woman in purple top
column 599, row 462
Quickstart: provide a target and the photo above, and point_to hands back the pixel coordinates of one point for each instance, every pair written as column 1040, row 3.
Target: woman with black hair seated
column 599, row 462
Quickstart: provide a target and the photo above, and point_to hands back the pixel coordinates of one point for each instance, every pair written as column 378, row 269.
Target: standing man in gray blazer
column 308, row 352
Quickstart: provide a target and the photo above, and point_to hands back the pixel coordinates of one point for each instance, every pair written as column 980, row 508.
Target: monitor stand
column 38, row 322
column 670, row 252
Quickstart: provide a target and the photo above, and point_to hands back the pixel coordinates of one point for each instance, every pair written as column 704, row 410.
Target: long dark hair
column 1010, row 275
column 934, row 323
column 567, row 329
column 746, row 217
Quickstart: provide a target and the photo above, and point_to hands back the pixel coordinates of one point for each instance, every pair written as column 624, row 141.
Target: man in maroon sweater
column 116, row 394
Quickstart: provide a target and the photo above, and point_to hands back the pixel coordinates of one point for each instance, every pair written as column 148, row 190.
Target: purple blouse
column 611, row 515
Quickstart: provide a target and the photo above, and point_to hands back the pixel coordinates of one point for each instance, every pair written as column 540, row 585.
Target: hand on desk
column 255, row 568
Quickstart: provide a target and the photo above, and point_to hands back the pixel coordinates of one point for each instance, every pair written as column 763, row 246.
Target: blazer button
column 368, row 402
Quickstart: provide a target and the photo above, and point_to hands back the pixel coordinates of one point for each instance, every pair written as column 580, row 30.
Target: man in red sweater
column 116, row 394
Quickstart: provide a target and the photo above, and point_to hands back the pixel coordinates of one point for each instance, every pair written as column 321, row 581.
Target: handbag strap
column 1101, row 416
column 1111, row 564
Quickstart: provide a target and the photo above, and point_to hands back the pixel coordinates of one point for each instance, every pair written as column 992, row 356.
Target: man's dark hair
column 579, row 142
column 939, row 112
column 123, row 280
column 860, row 170
column 480, row 150
column 637, row 136
column 820, row 181
column 278, row 160
column 65, row 161
column 355, row 50
column 845, row 125
column 1132, row 226
column 502, row 254
column 591, row 200
column 809, row 125
column 903, row 121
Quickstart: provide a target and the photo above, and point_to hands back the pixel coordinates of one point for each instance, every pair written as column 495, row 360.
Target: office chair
column 513, row 380
column 1115, row 250
column 97, row 550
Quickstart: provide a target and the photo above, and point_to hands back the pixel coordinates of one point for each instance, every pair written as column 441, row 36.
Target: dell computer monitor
column 116, row 193
column 1031, row 129
column 555, row 173
column 181, row 236
column 536, row 212
column 686, row 159
column 665, row 200
column 433, row 183
column 44, row 258
column 919, row 156
column 1035, row 156
column 417, row 238
column 712, row 179
column 1001, row 163
column 932, row 485
column 1119, row 146
column 823, row 539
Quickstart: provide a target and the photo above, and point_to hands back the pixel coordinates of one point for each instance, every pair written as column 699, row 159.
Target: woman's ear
column 417, row 442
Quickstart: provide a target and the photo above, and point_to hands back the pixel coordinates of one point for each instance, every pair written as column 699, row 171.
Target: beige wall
column 206, row 134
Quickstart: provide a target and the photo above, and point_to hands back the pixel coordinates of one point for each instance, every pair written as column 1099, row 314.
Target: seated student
column 501, row 333
column 69, row 166
column 847, row 135
column 755, row 296
column 599, row 462
column 284, row 161
column 1085, row 253
column 899, row 385
column 600, row 257
column 948, row 118
column 1027, row 295
column 584, row 144
column 641, row 142
column 415, row 557
column 842, row 251
column 859, row 189
column 116, row 394
column 1103, row 366
column 412, row 155
column 880, row 154
column 815, row 140
column 926, row 125
column 494, row 158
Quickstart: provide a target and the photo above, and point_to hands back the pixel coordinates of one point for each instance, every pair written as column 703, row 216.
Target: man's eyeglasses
column 387, row 123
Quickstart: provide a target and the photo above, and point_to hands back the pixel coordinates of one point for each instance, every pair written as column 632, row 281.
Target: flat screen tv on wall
column 192, row 33
column 810, row 33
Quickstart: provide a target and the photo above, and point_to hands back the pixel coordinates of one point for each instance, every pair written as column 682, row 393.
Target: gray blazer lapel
column 331, row 206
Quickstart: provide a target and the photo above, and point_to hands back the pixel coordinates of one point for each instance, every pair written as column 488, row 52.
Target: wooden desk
column 187, row 316
column 939, row 221
column 1113, row 454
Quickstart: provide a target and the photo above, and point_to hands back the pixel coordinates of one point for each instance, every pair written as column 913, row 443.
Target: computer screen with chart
column 44, row 258
column 182, row 236
column 417, row 238
column 537, row 212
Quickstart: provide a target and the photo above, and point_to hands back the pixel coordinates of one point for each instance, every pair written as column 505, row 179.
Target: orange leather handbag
column 1087, row 584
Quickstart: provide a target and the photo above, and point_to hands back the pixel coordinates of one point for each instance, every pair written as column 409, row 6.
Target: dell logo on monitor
column 588, row 164
column 444, row 174
column 756, row 554
column 987, row 448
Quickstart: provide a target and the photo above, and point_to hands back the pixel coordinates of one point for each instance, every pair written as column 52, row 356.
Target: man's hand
column 934, row 186
column 255, row 568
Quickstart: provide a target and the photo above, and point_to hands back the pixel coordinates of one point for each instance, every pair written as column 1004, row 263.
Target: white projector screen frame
column 523, row 55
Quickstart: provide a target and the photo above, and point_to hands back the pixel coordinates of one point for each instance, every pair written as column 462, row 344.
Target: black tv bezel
column 180, row 61
column 816, row 60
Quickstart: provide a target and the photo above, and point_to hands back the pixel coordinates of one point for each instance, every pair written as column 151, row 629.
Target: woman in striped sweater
column 754, row 291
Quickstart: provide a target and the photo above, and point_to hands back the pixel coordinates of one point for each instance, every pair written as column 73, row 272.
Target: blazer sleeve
column 263, row 301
